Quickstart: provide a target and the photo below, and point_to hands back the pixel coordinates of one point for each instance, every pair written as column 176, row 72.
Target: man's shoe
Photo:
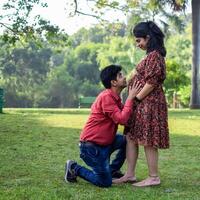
column 70, row 175
column 117, row 174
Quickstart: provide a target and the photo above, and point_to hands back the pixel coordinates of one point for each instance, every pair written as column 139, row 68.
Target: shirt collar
column 117, row 97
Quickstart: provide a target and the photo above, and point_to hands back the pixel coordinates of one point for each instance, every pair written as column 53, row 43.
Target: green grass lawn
column 35, row 143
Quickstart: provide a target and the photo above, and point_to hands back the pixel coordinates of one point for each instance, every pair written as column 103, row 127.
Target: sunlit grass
column 35, row 143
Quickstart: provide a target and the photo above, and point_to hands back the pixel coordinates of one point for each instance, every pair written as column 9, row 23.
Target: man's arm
column 111, row 108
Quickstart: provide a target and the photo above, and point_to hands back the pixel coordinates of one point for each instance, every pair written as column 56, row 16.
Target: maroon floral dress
column 148, row 124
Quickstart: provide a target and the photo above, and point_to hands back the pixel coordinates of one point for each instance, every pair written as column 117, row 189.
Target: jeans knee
column 105, row 181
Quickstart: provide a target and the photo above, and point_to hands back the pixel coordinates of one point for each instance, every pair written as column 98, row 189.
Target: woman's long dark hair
column 156, row 36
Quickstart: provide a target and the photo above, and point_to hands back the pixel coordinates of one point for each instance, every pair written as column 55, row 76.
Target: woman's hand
column 145, row 91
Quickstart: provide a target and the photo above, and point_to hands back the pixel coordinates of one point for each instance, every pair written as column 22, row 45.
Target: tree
column 60, row 88
column 20, row 24
column 22, row 9
column 176, row 79
column 119, row 50
column 195, row 96
column 23, row 68
column 155, row 5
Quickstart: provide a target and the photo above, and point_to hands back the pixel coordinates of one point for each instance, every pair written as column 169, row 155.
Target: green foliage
column 176, row 76
column 176, row 81
column 87, row 67
column 182, row 42
column 88, row 89
column 184, row 95
column 60, row 88
column 23, row 24
column 23, row 68
column 57, row 72
column 179, row 60
column 120, row 51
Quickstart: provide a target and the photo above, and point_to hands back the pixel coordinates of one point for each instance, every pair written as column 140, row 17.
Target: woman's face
column 142, row 42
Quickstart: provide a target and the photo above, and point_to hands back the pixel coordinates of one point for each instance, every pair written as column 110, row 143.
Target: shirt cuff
column 129, row 103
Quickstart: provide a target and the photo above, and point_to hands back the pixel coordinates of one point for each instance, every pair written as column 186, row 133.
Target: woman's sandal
column 124, row 180
column 150, row 181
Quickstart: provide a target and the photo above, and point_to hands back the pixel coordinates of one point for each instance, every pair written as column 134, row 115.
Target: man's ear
column 113, row 83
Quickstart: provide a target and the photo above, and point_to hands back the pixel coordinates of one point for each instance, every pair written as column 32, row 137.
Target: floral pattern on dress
column 148, row 124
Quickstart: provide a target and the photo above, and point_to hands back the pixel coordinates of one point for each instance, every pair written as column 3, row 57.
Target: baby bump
column 136, row 78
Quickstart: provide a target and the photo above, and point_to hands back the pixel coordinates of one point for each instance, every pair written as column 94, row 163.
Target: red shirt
column 106, row 113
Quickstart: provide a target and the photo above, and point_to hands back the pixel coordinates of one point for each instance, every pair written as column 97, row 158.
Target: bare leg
column 152, row 160
column 131, row 156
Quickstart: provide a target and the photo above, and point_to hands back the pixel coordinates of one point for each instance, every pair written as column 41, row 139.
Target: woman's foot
column 125, row 179
column 150, row 181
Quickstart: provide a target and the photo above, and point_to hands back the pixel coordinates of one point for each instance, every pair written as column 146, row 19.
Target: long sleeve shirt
column 106, row 113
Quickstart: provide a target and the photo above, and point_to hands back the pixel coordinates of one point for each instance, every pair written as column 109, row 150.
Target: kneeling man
column 99, row 138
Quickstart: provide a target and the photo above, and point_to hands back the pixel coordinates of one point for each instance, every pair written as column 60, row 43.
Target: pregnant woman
column 148, row 125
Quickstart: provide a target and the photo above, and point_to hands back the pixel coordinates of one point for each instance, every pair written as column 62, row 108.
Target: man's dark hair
column 108, row 74
column 156, row 40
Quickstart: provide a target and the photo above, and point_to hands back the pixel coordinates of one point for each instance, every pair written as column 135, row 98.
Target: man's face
column 120, row 80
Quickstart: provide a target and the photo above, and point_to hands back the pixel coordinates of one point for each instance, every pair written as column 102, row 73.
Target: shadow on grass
column 46, row 111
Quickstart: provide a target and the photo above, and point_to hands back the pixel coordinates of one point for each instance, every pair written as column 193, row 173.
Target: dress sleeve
column 154, row 69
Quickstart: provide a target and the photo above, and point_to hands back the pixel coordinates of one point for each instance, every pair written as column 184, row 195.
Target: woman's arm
column 145, row 91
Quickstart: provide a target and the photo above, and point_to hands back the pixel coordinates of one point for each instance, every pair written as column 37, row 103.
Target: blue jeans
column 98, row 158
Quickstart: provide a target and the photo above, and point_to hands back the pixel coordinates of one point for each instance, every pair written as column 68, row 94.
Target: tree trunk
column 195, row 96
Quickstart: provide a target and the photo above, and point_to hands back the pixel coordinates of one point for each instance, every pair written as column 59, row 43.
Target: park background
column 46, row 67
column 42, row 66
